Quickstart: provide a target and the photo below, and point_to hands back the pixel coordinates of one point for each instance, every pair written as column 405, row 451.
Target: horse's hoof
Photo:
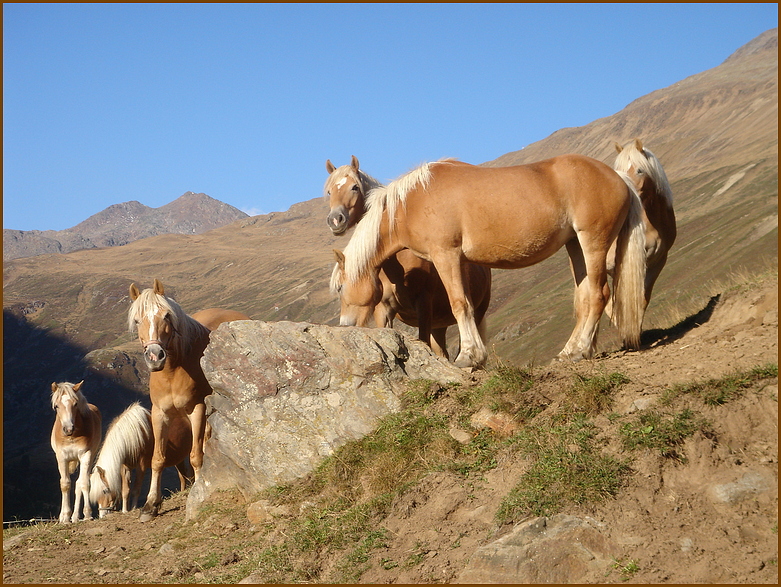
column 146, row 516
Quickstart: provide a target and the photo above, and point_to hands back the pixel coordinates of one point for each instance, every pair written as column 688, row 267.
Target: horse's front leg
column 82, row 488
column 65, row 489
column 160, row 432
column 451, row 271
column 198, row 425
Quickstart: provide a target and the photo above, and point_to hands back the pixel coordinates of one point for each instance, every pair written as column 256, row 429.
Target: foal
column 75, row 440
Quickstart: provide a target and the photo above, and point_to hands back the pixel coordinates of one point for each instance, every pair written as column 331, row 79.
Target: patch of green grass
column 716, row 392
column 593, row 395
column 568, row 468
column 626, row 568
column 663, row 432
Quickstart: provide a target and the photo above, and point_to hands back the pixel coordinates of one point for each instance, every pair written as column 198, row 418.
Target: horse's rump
column 211, row 318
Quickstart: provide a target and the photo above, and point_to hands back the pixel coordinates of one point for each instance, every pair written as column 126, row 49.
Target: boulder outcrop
column 287, row 394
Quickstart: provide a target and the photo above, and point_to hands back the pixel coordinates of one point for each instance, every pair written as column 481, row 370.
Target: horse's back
column 213, row 317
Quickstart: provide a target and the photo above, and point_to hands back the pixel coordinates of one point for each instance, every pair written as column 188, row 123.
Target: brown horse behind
column 452, row 213
column 408, row 287
column 173, row 345
column 75, row 440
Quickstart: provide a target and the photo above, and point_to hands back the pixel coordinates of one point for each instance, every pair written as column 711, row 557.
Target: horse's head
column 101, row 493
column 67, row 402
column 644, row 170
column 358, row 298
column 344, row 190
column 153, row 316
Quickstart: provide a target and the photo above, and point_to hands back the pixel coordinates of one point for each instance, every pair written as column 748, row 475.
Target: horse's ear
column 354, row 163
column 639, row 145
column 102, row 474
column 134, row 292
column 54, row 386
column 77, row 387
column 618, row 147
column 329, row 167
column 339, row 257
column 158, row 287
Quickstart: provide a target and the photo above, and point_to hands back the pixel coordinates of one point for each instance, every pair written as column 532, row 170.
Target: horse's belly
column 513, row 254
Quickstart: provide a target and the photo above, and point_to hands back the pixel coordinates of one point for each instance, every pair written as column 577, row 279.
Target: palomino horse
column 650, row 181
column 452, row 213
column 173, row 345
column 75, row 441
column 408, row 287
column 128, row 448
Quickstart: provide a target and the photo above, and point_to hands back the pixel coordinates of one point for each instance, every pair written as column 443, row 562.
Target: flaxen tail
column 629, row 276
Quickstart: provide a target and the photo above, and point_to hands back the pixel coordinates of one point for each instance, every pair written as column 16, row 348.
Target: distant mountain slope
column 124, row 223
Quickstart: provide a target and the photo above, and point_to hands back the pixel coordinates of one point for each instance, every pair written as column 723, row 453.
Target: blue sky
column 108, row 103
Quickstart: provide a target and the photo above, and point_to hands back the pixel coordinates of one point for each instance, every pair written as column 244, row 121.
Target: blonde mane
column 186, row 328
column 336, row 279
column 646, row 161
column 125, row 442
column 382, row 201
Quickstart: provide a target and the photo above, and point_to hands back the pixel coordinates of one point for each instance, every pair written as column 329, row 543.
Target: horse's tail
column 629, row 276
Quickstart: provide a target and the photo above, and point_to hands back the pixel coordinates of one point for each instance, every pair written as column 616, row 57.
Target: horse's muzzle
column 154, row 357
column 337, row 221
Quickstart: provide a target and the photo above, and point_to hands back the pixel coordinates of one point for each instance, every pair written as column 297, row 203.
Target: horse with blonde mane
column 452, row 213
column 650, row 181
column 75, row 440
column 126, row 454
column 408, row 287
column 173, row 344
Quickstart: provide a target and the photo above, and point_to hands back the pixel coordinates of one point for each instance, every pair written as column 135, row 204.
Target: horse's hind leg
column 439, row 342
column 590, row 274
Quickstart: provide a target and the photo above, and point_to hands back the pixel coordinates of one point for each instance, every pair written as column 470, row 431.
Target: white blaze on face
column 150, row 317
column 341, row 182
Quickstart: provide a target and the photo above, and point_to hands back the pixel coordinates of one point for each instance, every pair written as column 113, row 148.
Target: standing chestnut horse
column 75, row 441
column 650, row 181
column 173, row 345
column 406, row 285
column 452, row 213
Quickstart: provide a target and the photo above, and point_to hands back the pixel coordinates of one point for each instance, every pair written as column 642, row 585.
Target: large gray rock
column 287, row 394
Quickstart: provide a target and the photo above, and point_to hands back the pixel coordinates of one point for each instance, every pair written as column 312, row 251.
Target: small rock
column 460, row 435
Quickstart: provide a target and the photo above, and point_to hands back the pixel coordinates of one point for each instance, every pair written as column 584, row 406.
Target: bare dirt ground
column 712, row 519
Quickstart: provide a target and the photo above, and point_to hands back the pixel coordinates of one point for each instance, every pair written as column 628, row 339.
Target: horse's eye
column 355, row 188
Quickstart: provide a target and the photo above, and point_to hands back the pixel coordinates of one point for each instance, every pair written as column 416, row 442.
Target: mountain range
column 716, row 134
column 124, row 223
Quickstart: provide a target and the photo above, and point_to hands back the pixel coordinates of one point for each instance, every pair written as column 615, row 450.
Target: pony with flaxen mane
column 126, row 454
column 75, row 440
column 452, row 213
column 173, row 344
